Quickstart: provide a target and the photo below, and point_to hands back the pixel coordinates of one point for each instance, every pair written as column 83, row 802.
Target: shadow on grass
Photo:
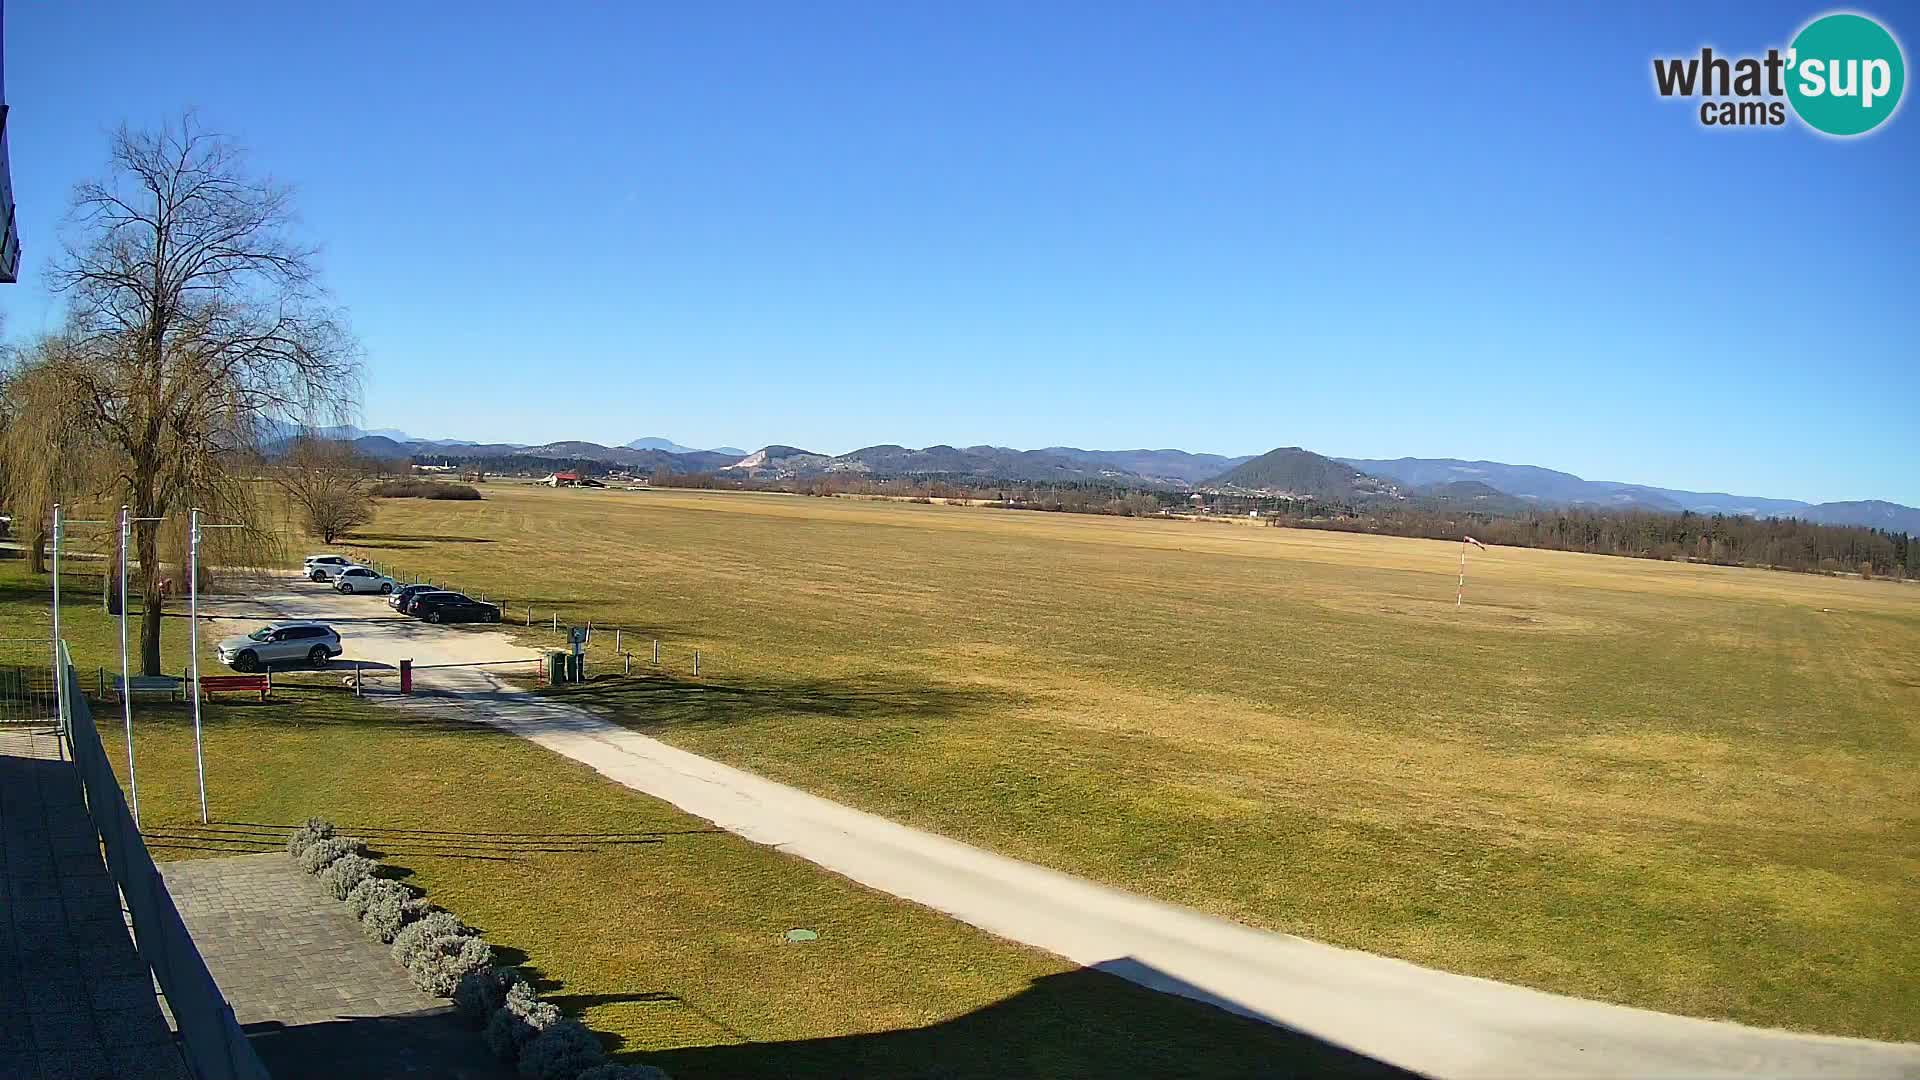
column 655, row 702
column 1083, row 1023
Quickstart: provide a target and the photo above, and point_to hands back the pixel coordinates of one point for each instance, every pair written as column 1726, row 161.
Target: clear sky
column 1368, row 230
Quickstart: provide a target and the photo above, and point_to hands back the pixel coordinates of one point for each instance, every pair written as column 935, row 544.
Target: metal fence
column 210, row 1036
column 27, row 694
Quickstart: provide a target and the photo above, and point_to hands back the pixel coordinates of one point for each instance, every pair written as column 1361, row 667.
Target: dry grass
column 1689, row 788
column 664, row 933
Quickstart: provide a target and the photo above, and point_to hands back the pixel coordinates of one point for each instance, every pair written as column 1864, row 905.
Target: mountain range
column 1489, row 486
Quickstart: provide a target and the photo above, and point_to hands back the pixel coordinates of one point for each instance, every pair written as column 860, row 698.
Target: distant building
column 571, row 479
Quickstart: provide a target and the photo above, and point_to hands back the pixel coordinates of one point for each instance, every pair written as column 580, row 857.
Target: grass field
column 664, row 933
column 1683, row 787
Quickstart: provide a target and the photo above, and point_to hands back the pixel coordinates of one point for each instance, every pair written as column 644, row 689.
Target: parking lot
column 371, row 633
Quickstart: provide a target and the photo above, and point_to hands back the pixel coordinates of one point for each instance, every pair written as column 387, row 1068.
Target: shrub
column 345, row 874
column 423, row 932
column 480, row 993
column 322, row 852
column 561, row 1052
column 614, row 1071
column 423, row 489
column 520, row 1018
column 314, row 828
column 373, row 889
column 389, row 913
column 438, row 967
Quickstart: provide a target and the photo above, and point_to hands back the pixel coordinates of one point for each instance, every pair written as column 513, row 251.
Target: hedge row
column 447, row 958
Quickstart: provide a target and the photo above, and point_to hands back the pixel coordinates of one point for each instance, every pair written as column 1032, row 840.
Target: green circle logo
column 1845, row 74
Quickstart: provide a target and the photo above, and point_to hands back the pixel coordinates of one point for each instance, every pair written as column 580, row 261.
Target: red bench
column 212, row 684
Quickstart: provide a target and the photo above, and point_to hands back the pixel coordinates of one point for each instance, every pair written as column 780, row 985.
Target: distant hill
column 1430, row 481
column 1873, row 513
column 1170, row 466
column 1470, row 495
column 1544, row 487
column 1548, row 488
column 380, row 446
column 654, row 442
column 982, row 462
column 1293, row 471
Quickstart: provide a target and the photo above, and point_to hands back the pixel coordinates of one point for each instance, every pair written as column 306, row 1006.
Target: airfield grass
column 1682, row 787
column 663, row 933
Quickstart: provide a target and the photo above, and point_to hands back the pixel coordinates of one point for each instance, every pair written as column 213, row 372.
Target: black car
column 403, row 596
column 436, row 607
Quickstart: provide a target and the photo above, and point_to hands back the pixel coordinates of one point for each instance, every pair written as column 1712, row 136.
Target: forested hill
column 1293, row 471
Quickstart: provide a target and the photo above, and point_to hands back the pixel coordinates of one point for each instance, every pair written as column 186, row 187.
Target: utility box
column 556, row 668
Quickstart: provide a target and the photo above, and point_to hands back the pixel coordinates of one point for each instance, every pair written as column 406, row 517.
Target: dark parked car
column 438, row 607
column 405, row 593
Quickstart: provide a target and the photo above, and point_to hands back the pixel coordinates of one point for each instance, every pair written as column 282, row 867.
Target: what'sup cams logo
column 1843, row 75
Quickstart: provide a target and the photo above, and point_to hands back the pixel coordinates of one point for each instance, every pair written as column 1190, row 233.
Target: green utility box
column 556, row 668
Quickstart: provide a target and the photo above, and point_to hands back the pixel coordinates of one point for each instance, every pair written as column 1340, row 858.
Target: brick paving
column 76, row 1001
column 316, row 998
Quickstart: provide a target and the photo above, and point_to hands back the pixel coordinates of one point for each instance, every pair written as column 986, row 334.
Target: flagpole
column 126, row 691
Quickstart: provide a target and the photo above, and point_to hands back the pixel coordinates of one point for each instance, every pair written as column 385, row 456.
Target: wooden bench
column 142, row 684
column 212, row 684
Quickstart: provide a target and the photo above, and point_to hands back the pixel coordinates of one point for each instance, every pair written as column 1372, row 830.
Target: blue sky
column 1370, row 231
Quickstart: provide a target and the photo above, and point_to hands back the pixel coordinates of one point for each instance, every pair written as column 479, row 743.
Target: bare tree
column 195, row 323
column 328, row 481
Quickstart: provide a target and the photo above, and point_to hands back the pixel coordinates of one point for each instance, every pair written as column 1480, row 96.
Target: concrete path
column 1427, row 1021
column 75, row 998
column 315, row 997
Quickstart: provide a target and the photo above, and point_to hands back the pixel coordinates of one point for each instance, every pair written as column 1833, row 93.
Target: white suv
column 322, row 567
column 356, row 579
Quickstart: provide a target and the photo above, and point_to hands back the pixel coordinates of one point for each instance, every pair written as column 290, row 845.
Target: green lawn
column 665, row 934
column 1689, row 788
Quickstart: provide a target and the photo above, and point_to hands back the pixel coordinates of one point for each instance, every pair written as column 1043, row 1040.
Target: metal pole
column 616, row 641
column 1461, row 595
column 59, row 677
column 696, row 663
column 126, row 693
column 656, row 652
column 193, row 651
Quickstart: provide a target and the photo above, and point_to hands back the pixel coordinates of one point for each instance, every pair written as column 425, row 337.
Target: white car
column 359, row 579
column 322, row 567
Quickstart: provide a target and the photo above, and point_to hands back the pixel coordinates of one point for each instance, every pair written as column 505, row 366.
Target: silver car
column 281, row 642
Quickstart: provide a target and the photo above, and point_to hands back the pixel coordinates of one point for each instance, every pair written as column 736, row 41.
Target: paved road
column 1427, row 1021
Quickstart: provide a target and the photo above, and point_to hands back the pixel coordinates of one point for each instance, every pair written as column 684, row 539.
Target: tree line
column 1725, row 540
column 1778, row 543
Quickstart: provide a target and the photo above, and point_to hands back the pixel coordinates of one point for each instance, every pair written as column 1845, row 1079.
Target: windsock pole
column 1460, row 596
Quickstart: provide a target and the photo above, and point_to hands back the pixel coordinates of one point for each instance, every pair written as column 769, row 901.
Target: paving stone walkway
column 76, row 1001
column 316, row 998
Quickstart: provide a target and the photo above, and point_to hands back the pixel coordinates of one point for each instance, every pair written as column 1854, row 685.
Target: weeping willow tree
column 196, row 329
column 49, row 453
